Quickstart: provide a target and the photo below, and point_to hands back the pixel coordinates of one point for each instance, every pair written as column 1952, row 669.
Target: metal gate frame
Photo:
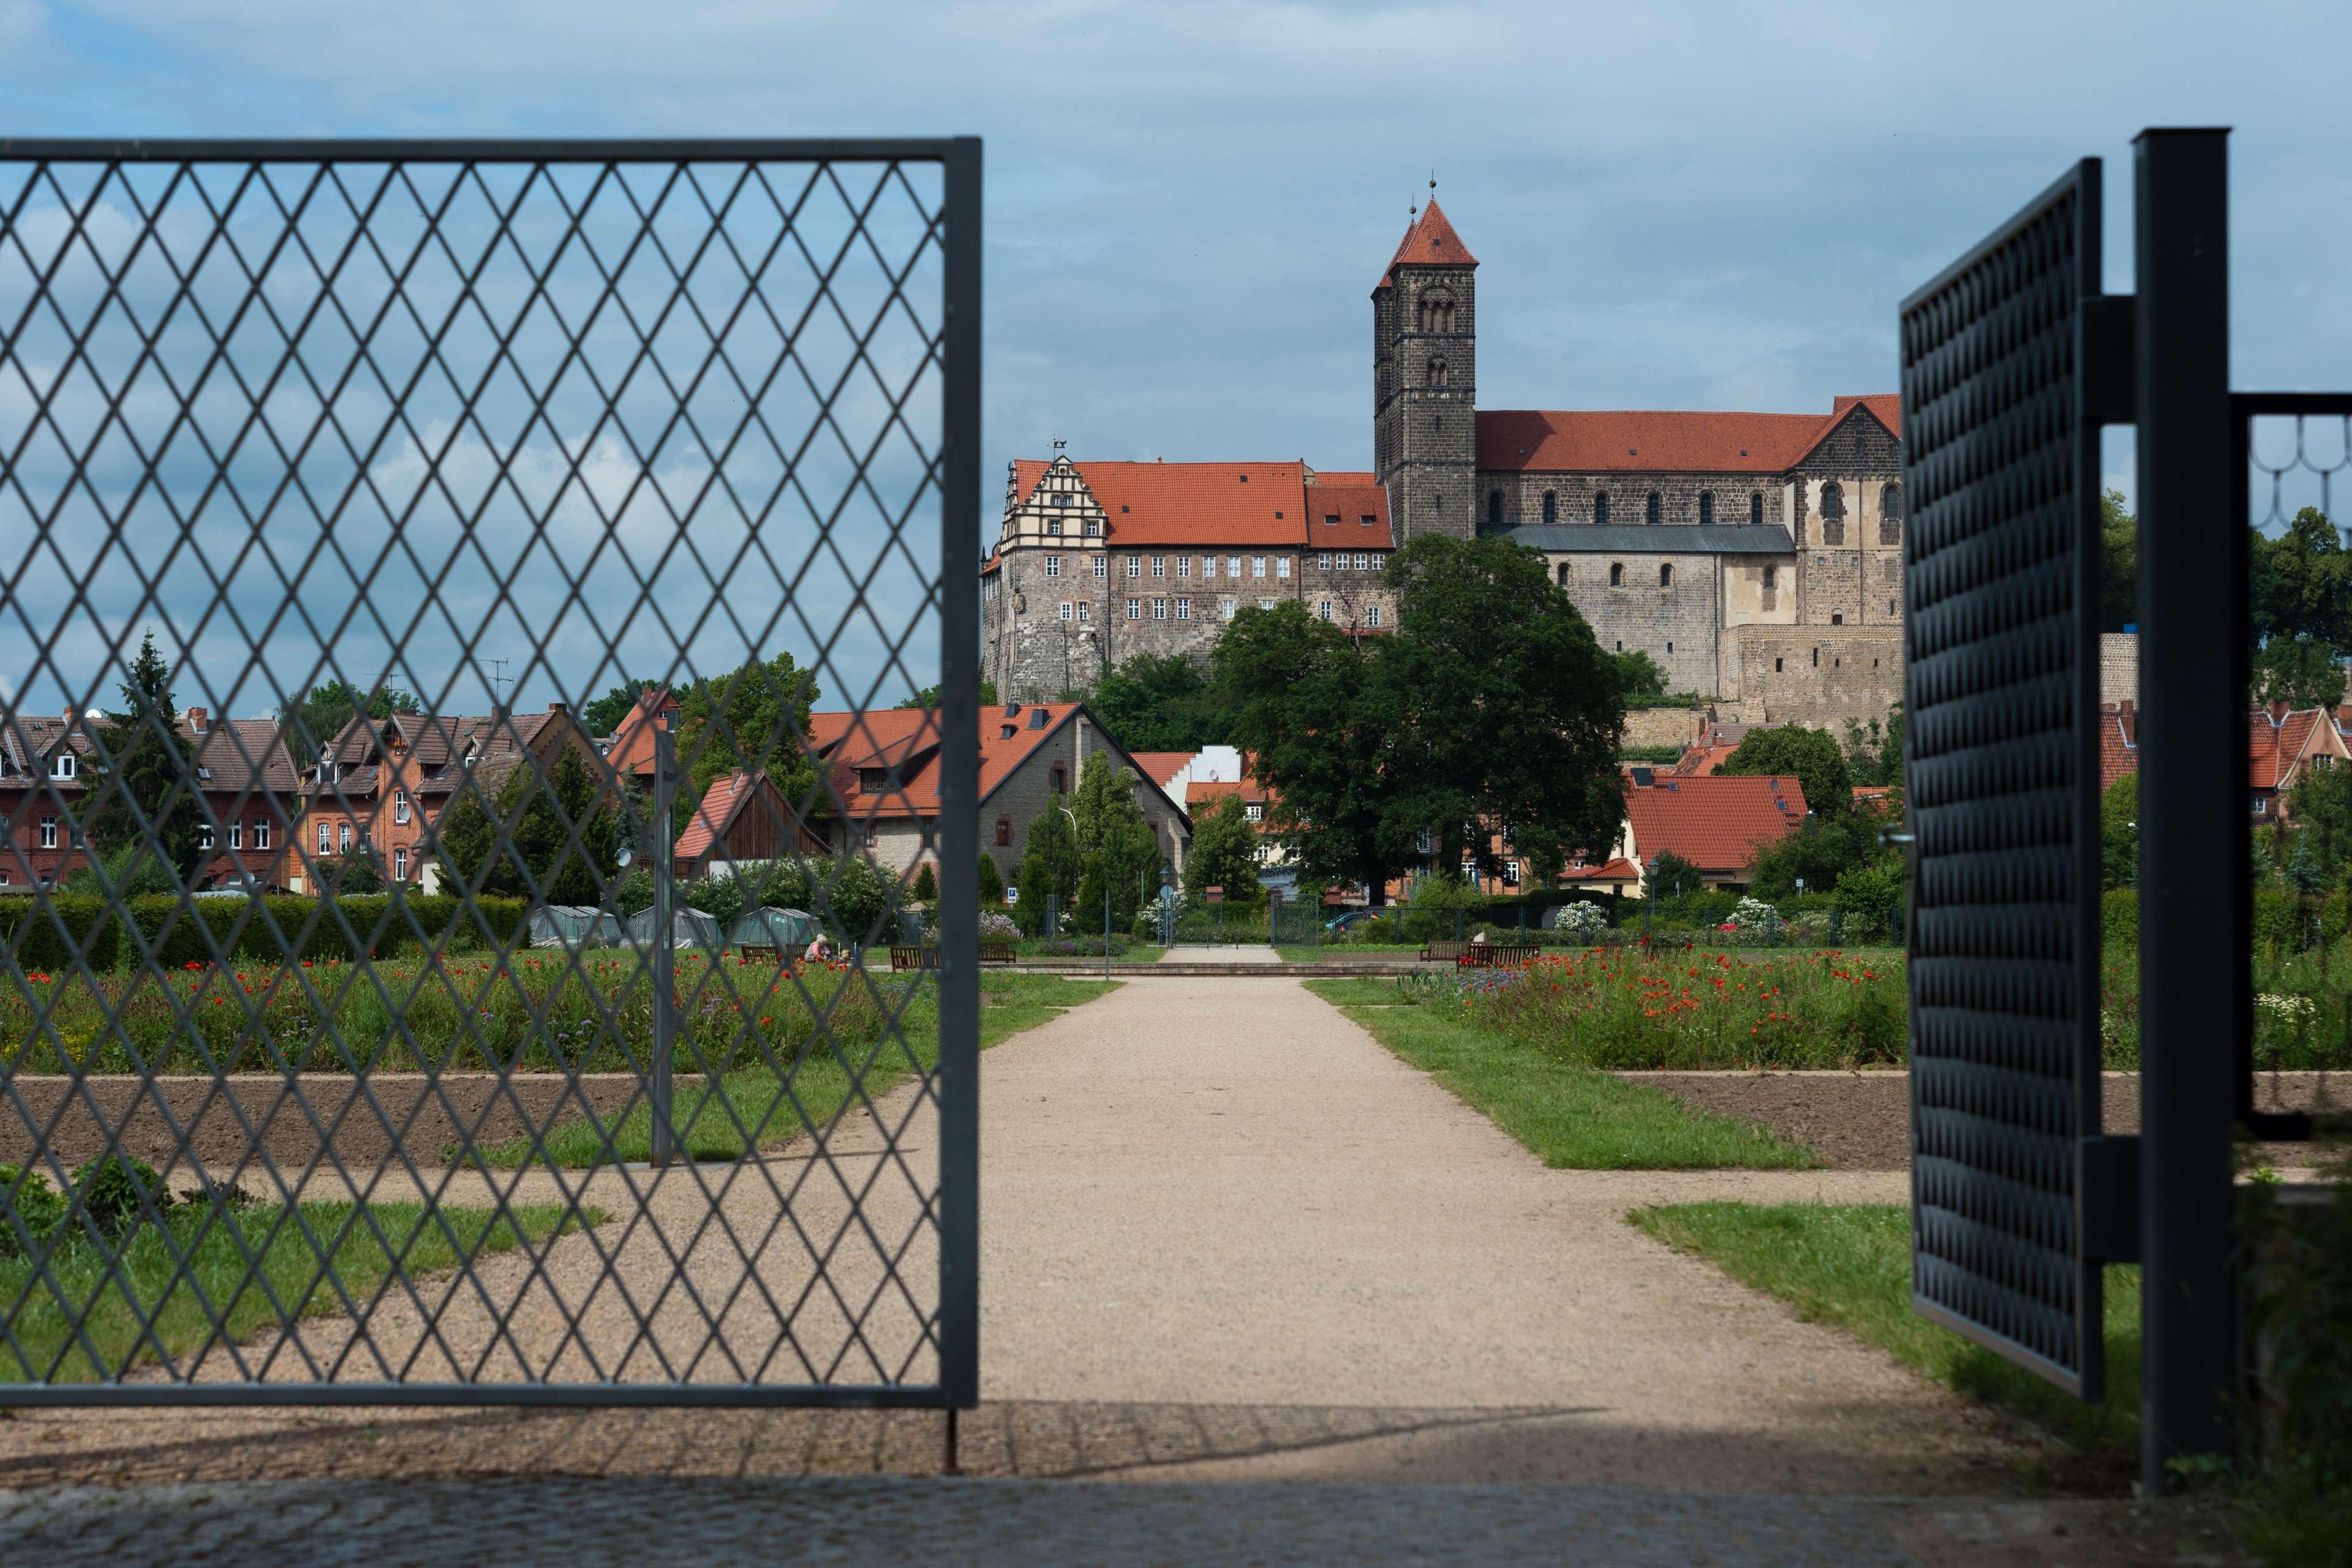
column 957, row 477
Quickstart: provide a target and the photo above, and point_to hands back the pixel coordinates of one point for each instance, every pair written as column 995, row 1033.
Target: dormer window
column 61, row 765
column 873, row 780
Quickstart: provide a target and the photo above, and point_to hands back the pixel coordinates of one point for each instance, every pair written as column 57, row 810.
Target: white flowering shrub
column 1580, row 921
column 1757, row 921
column 997, row 927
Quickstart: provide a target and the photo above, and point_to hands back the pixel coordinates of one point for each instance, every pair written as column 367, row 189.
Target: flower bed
column 1628, row 1009
column 532, row 1012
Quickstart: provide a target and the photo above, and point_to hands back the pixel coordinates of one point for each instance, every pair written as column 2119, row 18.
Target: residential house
column 2283, row 746
column 242, row 771
column 1716, row 823
column 742, row 820
column 630, row 748
column 882, row 773
column 383, row 783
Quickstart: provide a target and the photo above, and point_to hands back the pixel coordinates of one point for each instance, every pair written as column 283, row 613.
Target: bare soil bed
column 214, row 1121
column 1862, row 1120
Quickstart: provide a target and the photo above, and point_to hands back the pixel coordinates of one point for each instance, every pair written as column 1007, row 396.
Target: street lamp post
column 1649, row 897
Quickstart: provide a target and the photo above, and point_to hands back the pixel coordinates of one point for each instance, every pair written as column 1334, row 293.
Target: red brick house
column 1716, row 823
column 384, row 782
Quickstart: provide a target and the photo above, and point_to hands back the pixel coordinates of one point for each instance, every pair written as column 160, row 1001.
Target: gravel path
column 1226, row 1238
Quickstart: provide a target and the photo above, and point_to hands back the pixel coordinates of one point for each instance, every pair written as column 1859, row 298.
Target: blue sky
column 1675, row 207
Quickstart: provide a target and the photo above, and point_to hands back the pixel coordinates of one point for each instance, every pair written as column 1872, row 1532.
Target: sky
column 1674, row 207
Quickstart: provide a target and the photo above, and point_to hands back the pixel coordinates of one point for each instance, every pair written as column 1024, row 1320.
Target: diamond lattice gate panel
column 2000, row 462
column 495, row 645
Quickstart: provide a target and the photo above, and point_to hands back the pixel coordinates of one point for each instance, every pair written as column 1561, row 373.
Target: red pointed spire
column 1429, row 240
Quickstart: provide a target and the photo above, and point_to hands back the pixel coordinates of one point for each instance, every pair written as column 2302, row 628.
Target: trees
column 1639, row 675
column 927, row 885
column 991, row 882
column 537, row 858
column 1490, row 709
column 151, row 767
column 1813, row 755
column 2301, row 611
column 1158, row 702
column 605, row 714
column 2118, row 564
column 311, row 725
column 754, row 717
column 1223, row 855
column 1874, row 756
column 2120, row 834
column 1121, row 854
column 1050, row 864
column 929, row 696
column 2320, row 806
column 1821, row 852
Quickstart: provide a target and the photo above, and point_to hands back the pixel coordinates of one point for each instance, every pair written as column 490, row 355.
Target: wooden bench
column 1478, row 954
column 790, row 953
column 927, row 957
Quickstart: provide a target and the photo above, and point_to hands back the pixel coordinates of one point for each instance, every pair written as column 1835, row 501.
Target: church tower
column 1424, row 380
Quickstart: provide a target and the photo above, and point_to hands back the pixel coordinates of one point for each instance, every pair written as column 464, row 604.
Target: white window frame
column 1066, row 609
column 61, row 764
column 343, row 837
column 261, row 833
column 1094, row 528
column 237, row 835
column 400, row 864
column 1226, row 608
column 400, row 806
column 1233, row 565
column 1266, row 604
column 1254, row 811
column 1183, row 566
column 1159, row 609
column 1208, row 567
column 48, row 832
column 1322, row 561
column 1081, row 611
column 1135, row 609
column 1160, row 566
column 1054, row 527
column 1323, row 609
column 1135, row 565
column 326, row 838
column 1053, row 566
column 1183, row 609
column 1372, row 614
column 1102, row 565
column 1363, row 562
column 1282, row 565
column 1257, row 565
column 203, row 836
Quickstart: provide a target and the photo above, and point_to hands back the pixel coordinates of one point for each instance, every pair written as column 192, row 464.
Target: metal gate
column 2000, row 689
column 497, row 640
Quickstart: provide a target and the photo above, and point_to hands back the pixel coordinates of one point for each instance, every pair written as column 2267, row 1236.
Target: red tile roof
column 1663, row 441
column 1341, row 477
column 633, row 738
column 907, row 739
column 1351, row 505
column 1716, row 822
column 2278, row 741
column 1615, row 871
column 2118, row 744
column 1160, row 766
column 1429, row 240
column 1189, row 504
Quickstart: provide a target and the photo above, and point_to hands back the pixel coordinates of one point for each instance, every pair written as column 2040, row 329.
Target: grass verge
column 216, row 1240
column 751, row 1108
column 1849, row 1266
column 1341, row 952
column 1573, row 1118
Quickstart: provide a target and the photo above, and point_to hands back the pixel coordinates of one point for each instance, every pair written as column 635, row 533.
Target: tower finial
column 1432, row 182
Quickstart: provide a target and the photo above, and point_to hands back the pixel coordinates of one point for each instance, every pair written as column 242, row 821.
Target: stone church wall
column 1679, row 501
column 1674, row 623
column 1815, row 675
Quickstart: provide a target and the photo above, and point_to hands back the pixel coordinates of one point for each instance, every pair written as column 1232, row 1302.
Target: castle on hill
column 1757, row 557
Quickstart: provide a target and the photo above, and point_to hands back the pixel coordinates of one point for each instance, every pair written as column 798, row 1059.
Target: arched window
column 1601, row 510
column 1833, row 514
column 1563, row 574
column 1890, row 515
column 1437, row 372
column 1437, row 314
column 1756, row 508
column 1616, row 573
column 1551, row 506
column 1667, row 575
column 1706, row 507
column 1656, row 510
column 1494, row 509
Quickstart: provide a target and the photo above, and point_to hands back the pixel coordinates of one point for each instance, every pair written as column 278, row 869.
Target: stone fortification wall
column 1815, row 675
column 1663, row 726
column 2119, row 667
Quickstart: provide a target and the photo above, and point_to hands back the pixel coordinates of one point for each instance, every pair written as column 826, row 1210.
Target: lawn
column 752, row 1109
column 1343, row 951
column 1850, row 1266
column 51, row 1351
column 1571, row 1116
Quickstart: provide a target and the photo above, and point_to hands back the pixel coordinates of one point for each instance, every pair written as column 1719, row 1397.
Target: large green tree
column 151, row 767
column 312, row 723
column 1296, row 687
column 2320, row 806
column 604, row 715
column 1120, row 853
column 2119, row 833
column 2118, row 564
column 1490, row 709
column 1223, row 855
column 1813, row 755
column 1822, row 853
column 1162, row 702
column 537, row 818
column 2300, row 588
column 1050, row 864
column 756, row 716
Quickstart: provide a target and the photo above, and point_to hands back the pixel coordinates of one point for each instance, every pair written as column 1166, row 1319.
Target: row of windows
column 1364, row 563
column 1258, row 566
column 1371, row 611
column 1890, row 511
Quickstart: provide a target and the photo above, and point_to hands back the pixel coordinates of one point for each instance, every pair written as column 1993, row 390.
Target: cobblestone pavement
column 584, row 1523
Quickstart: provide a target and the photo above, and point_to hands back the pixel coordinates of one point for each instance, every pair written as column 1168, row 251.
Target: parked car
column 1350, row 918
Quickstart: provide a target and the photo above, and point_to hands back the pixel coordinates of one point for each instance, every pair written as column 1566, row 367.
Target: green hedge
column 2281, row 919
column 178, row 932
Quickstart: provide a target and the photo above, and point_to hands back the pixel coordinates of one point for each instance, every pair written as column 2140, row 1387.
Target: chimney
column 555, row 708
column 2279, row 711
column 196, row 720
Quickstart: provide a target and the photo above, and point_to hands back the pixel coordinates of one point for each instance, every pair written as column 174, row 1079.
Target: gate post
column 2195, row 856
column 664, row 956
